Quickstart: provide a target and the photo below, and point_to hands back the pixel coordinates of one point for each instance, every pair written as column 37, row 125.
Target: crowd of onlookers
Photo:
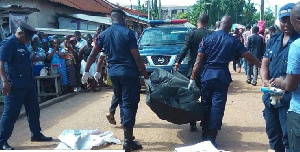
column 67, row 55
column 243, row 35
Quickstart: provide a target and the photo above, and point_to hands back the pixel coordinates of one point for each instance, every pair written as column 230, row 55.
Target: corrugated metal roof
column 87, row 5
column 17, row 9
column 99, row 6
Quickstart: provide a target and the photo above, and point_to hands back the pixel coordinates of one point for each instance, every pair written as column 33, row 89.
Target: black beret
column 27, row 29
column 117, row 10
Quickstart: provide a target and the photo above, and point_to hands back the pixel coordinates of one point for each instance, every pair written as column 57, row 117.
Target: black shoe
column 248, row 81
column 211, row 136
column 204, row 133
column 6, row 146
column 193, row 128
column 130, row 145
column 254, row 84
column 40, row 137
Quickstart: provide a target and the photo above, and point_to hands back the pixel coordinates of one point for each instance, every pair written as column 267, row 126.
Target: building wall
column 46, row 18
column 74, row 24
column 171, row 12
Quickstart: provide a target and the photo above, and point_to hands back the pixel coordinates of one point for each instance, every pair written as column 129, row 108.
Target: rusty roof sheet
column 98, row 6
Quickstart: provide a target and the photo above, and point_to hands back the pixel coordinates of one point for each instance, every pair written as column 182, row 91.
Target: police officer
column 18, row 86
column 124, row 64
column 214, row 54
column 191, row 45
column 274, row 65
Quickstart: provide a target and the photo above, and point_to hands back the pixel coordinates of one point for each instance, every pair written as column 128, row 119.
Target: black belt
column 216, row 66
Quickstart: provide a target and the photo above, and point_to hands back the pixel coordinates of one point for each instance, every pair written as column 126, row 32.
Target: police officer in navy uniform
column 274, row 65
column 214, row 54
column 124, row 65
column 18, row 86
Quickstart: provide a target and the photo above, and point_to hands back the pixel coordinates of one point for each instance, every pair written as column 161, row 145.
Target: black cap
column 117, row 10
column 27, row 29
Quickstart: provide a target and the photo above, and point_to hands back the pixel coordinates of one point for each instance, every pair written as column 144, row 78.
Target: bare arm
column 252, row 59
column 92, row 58
column 49, row 56
column 6, row 87
column 290, row 83
column 80, row 54
column 60, row 54
column 264, row 71
column 197, row 65
column 100, row 62
column 140, row 64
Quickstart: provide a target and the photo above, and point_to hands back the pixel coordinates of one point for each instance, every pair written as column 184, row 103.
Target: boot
column 205, row 132
column 211, row 136
column 129, row 144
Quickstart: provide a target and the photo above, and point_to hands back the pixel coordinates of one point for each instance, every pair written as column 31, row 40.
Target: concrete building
column 170, row 12
column 67, row 14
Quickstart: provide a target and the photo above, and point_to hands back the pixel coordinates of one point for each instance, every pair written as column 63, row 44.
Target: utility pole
column 159, row 9
column 262, row 9
column 276, row 12
column 130, row 4
column 148, row 6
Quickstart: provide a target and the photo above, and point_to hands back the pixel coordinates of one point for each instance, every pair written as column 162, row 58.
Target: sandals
column 111, row 119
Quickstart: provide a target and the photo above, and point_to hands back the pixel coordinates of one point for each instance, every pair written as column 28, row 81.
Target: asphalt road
column 243, row 124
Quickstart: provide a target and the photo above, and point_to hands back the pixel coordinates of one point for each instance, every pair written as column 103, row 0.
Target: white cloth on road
column 85, row 139
column 200, row 147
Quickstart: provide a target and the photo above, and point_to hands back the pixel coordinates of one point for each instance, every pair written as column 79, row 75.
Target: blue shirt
column 219, row 49
column 117, row 41
column 18, row 67
column 278, row 57
column 293, row 67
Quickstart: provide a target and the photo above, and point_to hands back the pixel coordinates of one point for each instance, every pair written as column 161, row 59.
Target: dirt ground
column 243, row 124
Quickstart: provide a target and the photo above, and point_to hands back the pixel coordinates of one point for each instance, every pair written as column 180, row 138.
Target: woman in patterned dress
column 71, row 59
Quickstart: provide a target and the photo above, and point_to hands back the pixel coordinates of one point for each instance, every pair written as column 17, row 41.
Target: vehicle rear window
column 163, row 36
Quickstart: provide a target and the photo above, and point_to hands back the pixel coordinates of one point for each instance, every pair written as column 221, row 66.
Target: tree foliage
column 153, row 9
column 142, row 7
column 241, row 11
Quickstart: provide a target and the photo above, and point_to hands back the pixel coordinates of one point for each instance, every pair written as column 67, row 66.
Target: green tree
column 241, row 11
column 249, row 13
column 268, row 17
column 154, row 10
column 142, row 7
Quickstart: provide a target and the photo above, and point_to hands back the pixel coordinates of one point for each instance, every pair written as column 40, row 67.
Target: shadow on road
column 229, row 138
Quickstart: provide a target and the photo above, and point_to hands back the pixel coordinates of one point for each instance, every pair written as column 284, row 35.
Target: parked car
column 160, row 44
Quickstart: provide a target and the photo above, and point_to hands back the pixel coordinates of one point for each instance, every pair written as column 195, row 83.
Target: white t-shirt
column 80, row 44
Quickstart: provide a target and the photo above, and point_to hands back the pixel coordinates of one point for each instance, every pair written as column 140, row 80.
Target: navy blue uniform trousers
column 276, row 127
column 12, row 107
column 127, row 90
column 214, row 97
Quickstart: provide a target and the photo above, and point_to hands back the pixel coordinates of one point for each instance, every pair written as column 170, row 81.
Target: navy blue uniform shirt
column 18, row 65
column 219, row 49
column 116, row 41
column 278, row 56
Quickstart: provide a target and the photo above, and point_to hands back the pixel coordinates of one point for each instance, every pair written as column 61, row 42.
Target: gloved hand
column 85, row 77
column 192, row 84
column 97, row 76
column 148, row 83
column 176, row 67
